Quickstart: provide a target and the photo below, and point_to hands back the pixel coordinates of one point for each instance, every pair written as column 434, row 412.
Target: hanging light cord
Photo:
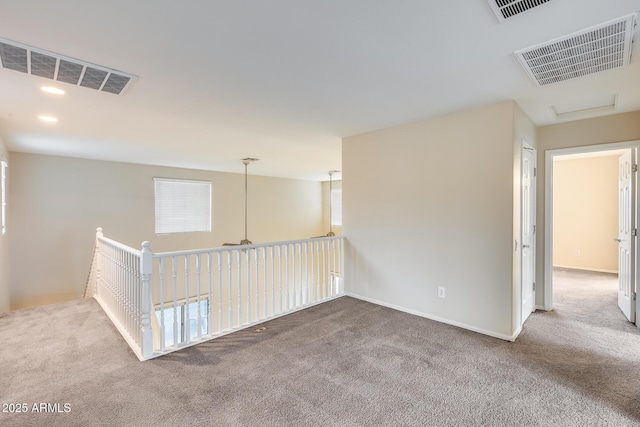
column 246, row 187
column 246, row 240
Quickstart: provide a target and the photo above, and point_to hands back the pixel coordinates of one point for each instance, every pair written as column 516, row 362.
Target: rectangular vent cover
column 589, row 51
column 505, row 9
column 37, row 62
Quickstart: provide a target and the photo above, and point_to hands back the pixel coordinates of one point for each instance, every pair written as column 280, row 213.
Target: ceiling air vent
column 505, row 9
column 37, row 62
column 593, row 50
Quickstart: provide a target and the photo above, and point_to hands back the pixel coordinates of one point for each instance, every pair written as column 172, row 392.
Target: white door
column 528, row 206
column 626, row 235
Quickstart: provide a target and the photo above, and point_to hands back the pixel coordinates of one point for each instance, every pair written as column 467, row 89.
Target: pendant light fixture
column 245, row 241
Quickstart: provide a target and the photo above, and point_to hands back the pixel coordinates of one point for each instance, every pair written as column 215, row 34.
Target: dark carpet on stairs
column 342, row 363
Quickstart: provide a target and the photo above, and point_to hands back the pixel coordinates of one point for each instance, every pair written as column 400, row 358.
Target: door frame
column 548, row 213
column 525, row 146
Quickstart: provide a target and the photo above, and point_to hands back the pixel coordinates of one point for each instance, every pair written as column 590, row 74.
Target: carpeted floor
column 343, row 363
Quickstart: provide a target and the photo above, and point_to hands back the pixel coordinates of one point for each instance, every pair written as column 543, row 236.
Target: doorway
column 590, row 223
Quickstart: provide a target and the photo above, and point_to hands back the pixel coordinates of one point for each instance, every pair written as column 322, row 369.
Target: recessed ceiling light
column 54, row 90
column 48, row 119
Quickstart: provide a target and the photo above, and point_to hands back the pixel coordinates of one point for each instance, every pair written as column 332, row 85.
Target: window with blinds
column 182, row 206
column 336, row 207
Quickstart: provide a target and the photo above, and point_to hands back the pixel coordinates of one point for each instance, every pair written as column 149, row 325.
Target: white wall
column 57, row 203
column 4, row 247
column 585, row 213
column 431, row 204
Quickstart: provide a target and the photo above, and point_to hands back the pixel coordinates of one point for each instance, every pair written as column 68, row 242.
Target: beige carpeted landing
column 343, row 363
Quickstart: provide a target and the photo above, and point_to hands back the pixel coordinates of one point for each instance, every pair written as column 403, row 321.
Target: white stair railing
column 122, row 289
column 204, row 294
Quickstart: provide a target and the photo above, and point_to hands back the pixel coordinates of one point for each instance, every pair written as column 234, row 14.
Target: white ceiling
column 281, row 80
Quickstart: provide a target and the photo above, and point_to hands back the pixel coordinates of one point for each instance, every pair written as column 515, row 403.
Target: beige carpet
column 343, row 363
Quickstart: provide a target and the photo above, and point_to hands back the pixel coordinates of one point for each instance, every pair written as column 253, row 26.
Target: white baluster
column 293, row 273
column 299, row 283
column 334, row 273
column 120, row 303
column 256, row 255
column 280, row 276
column 313, row 261
column 121, row 274
column 131, row 288
column 210, row 300
column 286, row 272
column 332, row 268
column 185, row 310
column 99, row 235
column 238, row 253
column 198, row 310
column 316, row 266
column 174, row 263
column 146, row 268
column 306, row 271
column 220, row 290
column 342, row 277
column 229, row 262
column 135, row 290
column 324, row 271
column 123, row 290
column 265, row 281
column 248, row 253
column 273, row 283
column 161, row 277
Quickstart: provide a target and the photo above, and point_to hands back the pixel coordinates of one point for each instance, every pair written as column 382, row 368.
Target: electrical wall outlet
column 441, row 292
column 576, row 252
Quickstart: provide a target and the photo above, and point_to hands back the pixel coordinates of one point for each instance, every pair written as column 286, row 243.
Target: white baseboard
column 540, row 307
column 438, row 319
column 514, row 336
column 597, row 270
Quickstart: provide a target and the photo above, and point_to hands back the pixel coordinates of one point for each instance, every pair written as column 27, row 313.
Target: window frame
column 333, row 207
column 167, row 228
column 182, row 319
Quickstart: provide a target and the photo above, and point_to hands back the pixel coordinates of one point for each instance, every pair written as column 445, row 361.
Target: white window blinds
column 182, row 206
column 336, row 207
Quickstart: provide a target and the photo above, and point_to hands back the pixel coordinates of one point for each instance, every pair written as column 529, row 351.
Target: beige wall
column 585, row 213
column 57, row 202
column 601, row 130
column 4, row 247
column 440, row 214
